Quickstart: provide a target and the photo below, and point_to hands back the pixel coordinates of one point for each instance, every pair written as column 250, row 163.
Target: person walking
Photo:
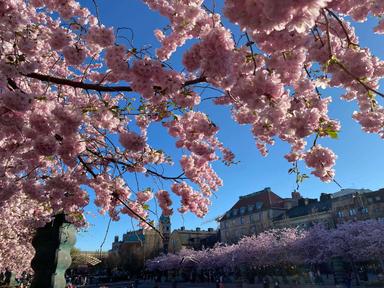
column 276, row 283
column 265, row 282
column 348, row 280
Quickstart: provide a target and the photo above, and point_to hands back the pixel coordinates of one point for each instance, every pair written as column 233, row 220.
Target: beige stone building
column 306, row 213
column 359, row 204
column 135, row 248
column 254, row 213
column 333, row 209
column 259, row 211
column 192, row 239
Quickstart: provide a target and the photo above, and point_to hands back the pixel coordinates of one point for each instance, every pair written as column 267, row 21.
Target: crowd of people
column 9, row 279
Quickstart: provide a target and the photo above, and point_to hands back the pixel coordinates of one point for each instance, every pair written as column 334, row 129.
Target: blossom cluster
column 76, row 106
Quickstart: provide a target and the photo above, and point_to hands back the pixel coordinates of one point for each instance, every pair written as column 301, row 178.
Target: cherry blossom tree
column 352, row 241
column 76, row 104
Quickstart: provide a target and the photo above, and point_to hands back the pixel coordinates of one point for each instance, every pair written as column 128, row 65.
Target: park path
column 150, row 284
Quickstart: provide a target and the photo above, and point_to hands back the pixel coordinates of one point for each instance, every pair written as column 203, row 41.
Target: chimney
column 182, row 228
column 268, row 190
column 296, row 195
column 302, row 202
column 210, row 229
column 116, row 238
column 198, row 229
column 325, row 197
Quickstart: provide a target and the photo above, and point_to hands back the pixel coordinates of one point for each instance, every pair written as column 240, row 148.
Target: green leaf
column 332, row 133
column 332, row 60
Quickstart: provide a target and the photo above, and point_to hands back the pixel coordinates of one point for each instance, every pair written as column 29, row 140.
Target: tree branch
column 121, row 201
column 137, row 215
column 149, row 171
column 342, row 26
column 75, row 84
column 96, row 87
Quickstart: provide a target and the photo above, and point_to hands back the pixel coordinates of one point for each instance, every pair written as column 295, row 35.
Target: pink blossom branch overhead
column 68, row 87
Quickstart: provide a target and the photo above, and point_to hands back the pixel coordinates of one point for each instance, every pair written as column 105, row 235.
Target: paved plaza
column 151, row 284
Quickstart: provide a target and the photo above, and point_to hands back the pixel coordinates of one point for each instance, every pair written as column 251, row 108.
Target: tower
column 165, row 229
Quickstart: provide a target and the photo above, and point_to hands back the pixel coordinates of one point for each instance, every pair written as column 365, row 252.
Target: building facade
column 192, row 239
column 360, row 204
column 135, row 248
column 307, row 213
column 264, row 210
column 254, row 213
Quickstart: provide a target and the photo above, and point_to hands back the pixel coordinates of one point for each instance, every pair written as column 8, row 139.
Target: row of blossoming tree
column 353, row 242
column 76, row 103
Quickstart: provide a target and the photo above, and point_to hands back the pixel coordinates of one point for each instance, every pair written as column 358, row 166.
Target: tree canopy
column 76, row 103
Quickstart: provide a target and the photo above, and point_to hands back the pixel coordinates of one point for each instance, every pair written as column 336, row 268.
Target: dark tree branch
column 342, row 26
column 85, row 165
column 149, row 171
column 75, row 84
column 137, row 215
column 96, row 87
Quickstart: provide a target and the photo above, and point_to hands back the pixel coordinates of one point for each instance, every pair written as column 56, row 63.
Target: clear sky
column 360, row 160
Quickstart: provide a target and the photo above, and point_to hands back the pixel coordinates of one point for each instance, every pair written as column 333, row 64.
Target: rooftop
column 260, row 200
column 349, row 191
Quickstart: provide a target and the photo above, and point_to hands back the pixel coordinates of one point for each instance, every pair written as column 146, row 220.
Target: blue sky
column 360, row 160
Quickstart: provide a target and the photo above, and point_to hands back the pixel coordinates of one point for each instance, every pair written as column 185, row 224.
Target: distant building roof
column 182, row 230
column 265, row 196
column 134, row 236
column 306, row 208
column 349, row 191
column 261, row 200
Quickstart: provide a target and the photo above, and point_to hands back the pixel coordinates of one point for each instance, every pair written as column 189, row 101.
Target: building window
column 364, row 210
column 234, row 212
column 340, row 214
column 258, row 205
column 251, row 218
column 242, row 210
column 260, row 216
column 352, row 212
column 228, row 215
column 378, row 198
column 370, row 200
column 241, row 220
column 250, row 208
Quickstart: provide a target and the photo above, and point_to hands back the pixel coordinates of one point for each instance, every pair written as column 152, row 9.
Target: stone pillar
column 53, row 244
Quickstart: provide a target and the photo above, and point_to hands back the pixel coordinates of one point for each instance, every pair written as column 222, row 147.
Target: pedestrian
column 277, row 283
column 348, row 280
column 266, row 282
column 311, row 277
